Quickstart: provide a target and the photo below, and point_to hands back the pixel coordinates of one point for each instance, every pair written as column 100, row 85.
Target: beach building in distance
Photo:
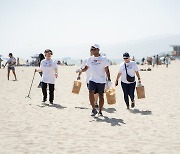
column 176, row 50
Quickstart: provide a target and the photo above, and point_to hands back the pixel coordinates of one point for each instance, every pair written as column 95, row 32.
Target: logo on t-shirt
column 96, row 62
column 47, row 64
column 129, row 67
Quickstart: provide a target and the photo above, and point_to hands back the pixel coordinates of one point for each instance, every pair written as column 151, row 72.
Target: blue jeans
column 128, row 90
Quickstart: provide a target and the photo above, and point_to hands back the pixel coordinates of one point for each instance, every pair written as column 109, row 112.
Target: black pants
column 51, row 91
column 40, row 83
column 128, row 90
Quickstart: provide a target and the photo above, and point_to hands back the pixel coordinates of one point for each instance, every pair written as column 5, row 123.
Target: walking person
column 49, row 70
column 11, row 66
column 99, row 72
column 153, row 61
column 143, row 60
column 88, row 75
column 127, row 72
column 40, row 58
column 167, row 61
column 157, row 60
column 0, row 62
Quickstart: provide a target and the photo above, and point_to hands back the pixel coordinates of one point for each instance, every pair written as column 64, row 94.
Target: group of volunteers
column 98, row 76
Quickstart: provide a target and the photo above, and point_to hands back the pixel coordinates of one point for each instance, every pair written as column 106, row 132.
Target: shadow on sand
column 82, row 108
column 58, row 106
column 146, row 112
column 109, row 110
column 112, row 121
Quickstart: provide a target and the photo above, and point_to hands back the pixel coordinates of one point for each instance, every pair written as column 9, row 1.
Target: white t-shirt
column 153, row 60
column 131, row 69
column 88, row 75
column 167, row 60
column 97, row 68
column 48, row 71
column 11, row 61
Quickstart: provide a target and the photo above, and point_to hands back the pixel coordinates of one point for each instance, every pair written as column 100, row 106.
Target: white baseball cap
column 96, row 46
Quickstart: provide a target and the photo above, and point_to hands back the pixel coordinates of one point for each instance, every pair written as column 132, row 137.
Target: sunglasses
column 93, row 49
column 125, row 58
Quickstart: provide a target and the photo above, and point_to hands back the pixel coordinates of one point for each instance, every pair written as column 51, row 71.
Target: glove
column 78, row 70
column 109, row 84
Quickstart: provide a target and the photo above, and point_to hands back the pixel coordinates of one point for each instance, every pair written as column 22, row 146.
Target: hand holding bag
column 140, row 91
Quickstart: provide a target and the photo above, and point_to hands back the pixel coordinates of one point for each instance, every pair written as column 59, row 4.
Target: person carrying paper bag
column 127, row 72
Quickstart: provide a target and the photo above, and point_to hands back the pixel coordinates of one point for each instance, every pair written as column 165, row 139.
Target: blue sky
column 30, row 26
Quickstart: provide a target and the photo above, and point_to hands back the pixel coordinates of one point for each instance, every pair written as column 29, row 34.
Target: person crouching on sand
column 128, row 68
column 99, row 69
column 49, row 70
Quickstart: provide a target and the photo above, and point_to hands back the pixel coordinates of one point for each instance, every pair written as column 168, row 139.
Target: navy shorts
column 96, row 87
column 11, row 68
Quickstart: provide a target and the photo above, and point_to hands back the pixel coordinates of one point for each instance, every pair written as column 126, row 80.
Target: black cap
column 126, row 55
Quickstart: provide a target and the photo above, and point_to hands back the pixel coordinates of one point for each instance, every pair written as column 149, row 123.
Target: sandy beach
column 67, row 127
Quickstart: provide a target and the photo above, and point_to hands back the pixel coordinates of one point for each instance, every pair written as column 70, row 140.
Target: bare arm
column 117, row 78
column 79, row 76
column 5, row 64
column 38, row 70
column 56, row 72
column 108, row 73
column 138, row 75
column 85, row 69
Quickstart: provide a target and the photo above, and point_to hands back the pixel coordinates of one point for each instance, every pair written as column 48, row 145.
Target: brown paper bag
column 140, row 91
column 110, row 95
column 76, row 87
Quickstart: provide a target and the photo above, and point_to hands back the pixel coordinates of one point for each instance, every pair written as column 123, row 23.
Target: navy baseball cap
column 126, row 55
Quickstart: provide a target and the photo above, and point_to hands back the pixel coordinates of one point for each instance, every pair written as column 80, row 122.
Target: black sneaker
column 96, row 105
column 51, row 103
column 133, row 104
column 94, row 112
column 100, row 113
column 44, row 100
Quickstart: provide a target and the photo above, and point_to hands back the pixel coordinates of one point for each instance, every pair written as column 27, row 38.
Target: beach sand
column 153, row 127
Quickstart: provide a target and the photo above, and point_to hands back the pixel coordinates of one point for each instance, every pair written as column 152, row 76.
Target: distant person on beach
column 40, row 58
column 88, row 75
column 99, row 69
column 128, row 68
column 133, row 58
column 167, row 60
column 153, row 61
column 11, row 65
column 143, row 59
column 0, row 62
column 49, row 70
column 157, row 60
column 27, row 63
